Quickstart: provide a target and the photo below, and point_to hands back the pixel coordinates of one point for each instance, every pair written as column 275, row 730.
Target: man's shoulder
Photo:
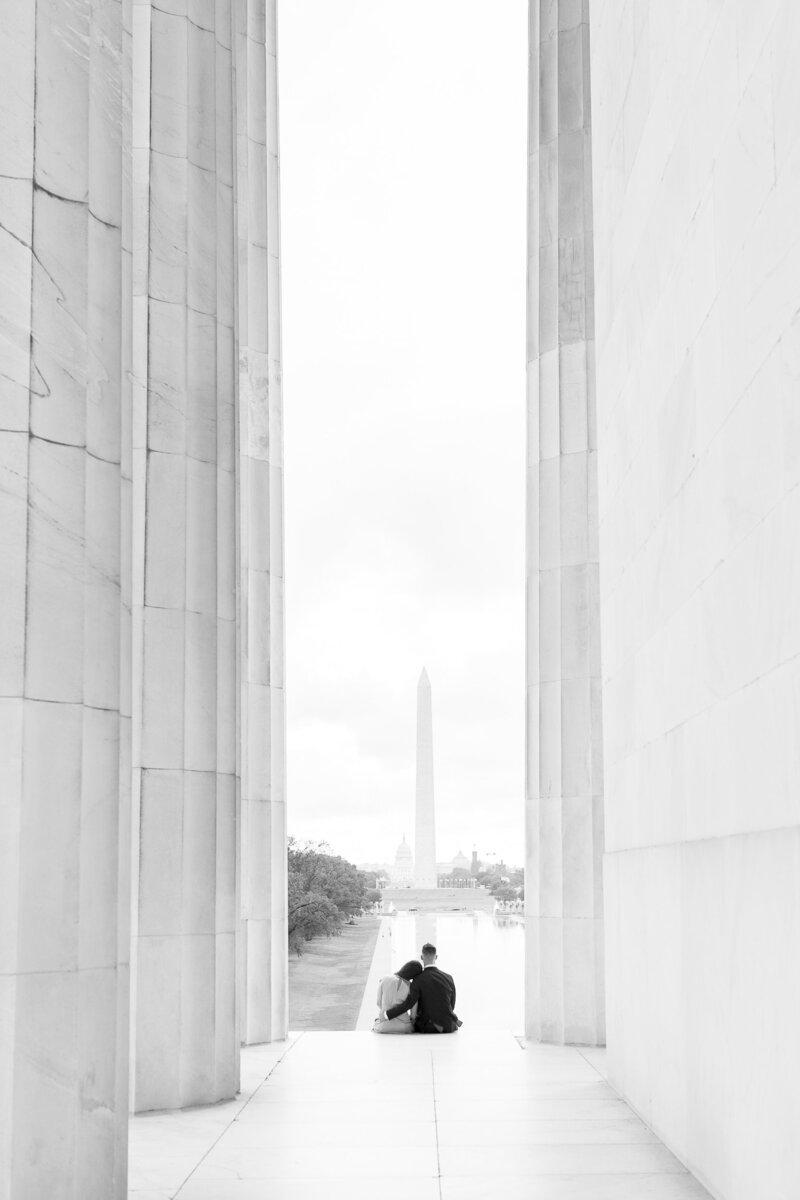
column 437, row 972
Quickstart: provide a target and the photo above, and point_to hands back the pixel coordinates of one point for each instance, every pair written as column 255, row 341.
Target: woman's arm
column 404, row 1005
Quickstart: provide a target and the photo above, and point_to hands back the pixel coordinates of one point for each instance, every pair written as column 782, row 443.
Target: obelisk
column 424, row 831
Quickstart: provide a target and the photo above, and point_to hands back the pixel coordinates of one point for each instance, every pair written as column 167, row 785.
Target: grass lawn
column 326, row 984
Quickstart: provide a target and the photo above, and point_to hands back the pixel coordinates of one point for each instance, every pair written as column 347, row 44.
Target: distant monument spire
column 425, row 829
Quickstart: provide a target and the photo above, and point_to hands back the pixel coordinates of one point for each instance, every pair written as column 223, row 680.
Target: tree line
column 504, row 882
column 325, row 891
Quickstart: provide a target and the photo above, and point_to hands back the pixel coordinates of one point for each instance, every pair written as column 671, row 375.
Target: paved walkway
column 354, row 1116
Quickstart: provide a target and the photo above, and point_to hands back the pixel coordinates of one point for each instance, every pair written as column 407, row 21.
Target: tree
column 324, row 891
column 505, row 883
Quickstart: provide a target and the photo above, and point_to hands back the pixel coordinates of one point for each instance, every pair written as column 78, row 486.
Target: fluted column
column 64, row 824
column 186, row 890
column 564, row 905
column 260, row 464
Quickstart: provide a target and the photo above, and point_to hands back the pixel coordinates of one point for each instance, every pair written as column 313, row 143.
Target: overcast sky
column 403, row 143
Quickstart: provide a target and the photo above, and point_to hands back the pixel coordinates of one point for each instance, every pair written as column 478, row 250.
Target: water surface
column 484, row 954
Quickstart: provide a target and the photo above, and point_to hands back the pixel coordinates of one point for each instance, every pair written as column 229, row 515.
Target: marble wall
column 697, row 253
column 564, row 788
column 141, row 634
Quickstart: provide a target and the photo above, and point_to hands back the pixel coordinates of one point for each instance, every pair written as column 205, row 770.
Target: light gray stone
column 186, row 712
column 263, row 1000
column 13, row 521
column 564, row 988
column 64, row 818
column 696, row 251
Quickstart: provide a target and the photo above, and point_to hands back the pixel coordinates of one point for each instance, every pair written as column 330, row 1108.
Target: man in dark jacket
column 434, row 993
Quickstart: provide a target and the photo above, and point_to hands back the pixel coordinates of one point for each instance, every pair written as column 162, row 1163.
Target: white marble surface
column 696, row 152
column 355, row 1115
column 264, row 996
column 208, row 593
column 64, row 837
column 564, row 784
column 130, row 346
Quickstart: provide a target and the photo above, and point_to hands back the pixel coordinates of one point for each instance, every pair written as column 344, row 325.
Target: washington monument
column 425, row 825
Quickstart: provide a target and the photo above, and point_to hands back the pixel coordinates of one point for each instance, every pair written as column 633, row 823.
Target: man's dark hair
column 429, row 949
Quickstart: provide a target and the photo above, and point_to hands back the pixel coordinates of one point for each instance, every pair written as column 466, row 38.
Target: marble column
column 64, row 822
column 264, row 1000
column 564, row 905
column 425, row 818
column 185, row 729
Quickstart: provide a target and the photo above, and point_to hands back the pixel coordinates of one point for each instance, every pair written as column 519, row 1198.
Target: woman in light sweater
column 393, row 989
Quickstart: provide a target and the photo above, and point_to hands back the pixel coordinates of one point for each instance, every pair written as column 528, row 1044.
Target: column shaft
column 564, row 724
column 186, row 889
column 64, row 823
column 260, row 465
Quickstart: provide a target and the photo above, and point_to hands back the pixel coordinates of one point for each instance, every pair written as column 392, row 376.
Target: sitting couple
column 419, row 998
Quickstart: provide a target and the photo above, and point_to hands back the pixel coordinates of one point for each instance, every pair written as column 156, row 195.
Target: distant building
column 403, row 873
column 459, row 863
column 400, row 873
column 459, row 881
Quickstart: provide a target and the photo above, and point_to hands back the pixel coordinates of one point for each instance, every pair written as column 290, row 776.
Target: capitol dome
column 403, row 852
column 403, row 872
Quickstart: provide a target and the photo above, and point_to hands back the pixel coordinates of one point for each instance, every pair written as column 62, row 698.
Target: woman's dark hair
column 410, row 970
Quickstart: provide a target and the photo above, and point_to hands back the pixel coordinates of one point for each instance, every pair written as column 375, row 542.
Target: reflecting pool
column 484, row 954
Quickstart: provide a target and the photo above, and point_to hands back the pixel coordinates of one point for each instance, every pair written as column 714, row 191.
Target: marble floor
column 355, row 1116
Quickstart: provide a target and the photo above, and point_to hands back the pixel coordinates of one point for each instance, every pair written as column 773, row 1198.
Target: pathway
column 352, row 1116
